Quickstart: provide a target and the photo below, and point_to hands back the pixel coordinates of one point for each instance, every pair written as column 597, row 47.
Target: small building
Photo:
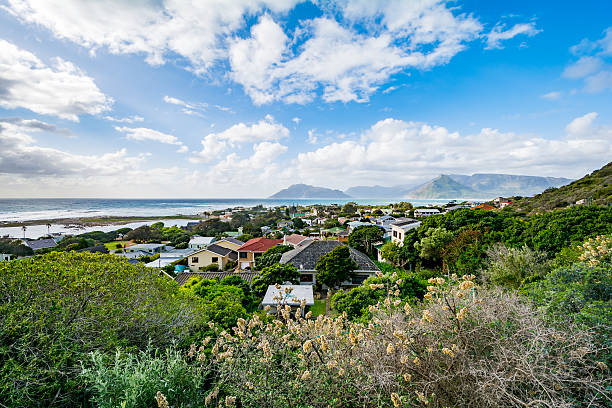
column 354, row 224
column 305, row 258
column 253, row 249
column 294, row 239
column 197, row 242
column 167, row 258
column 7, row 257
column 399, row 228
column 212, row 254
column 37, row 244
column 284, row 224
column 426, row 212
column 291, row 295
column 148, row 249
column 486, row 207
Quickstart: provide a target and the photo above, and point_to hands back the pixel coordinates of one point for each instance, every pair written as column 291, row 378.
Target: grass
column 318, row 308
column 111, row 246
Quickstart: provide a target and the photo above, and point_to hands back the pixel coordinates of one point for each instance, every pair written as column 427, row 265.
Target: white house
column 398, row 230
column 290, row 295
column 148, row 249
column 354, row 224
column 425, row 212
column 197, row 242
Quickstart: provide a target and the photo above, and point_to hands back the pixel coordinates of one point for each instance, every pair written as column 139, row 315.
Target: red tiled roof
column 259, row 244
column 484, row 207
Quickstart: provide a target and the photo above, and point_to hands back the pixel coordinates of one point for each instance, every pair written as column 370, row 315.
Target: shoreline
column 78, row 222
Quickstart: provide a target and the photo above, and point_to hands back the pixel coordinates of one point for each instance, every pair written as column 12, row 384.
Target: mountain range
column 451, row 186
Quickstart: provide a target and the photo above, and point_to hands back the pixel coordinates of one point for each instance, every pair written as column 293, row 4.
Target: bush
column 461, row 348
column 133, row 380
column 510, row 267
column 211, row 268
column 56, row 308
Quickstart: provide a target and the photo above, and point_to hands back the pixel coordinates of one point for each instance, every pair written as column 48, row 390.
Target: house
column 288, row 295
column 265, row 229
column 426, row 212
column 342, row 220
column 307, row 221
column 212, row 254
column 254, row 248
column 40, row 243
column 499, row 200
column 148, row 249
column 485, row 206
column 7, row 257
column 198, row 242
column 343, row 236
column 399, row 228
column 167, row 258
column 354, row 224
column 294, row 239
column 305, row 258
column 456, row 207
column 184, row 277
column 504, row 204
column 284, row 224
column 230, row 243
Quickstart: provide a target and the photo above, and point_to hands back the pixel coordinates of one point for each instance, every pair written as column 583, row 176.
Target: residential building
column 198, row 242
column 284, row 224
column 399, row 228
column 254, row 248
column 230, row 243
column 148, row 249
column 167, row 258
column 288, row 295
column 7, row 257
column 500, row 200
column 426, row 212
column 212, row 254
column 294, row 239
column 305, row 258
column 40, row 243
column 485, row 206
column 354, row 224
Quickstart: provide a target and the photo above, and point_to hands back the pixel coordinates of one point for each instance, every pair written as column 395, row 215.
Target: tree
column 144, row 234
column 298, row 223
column 364, row 237
column 391, row 252
column 271, row 256
column 349, row 208
column 431, row 246
column 335, row 267
column 277, row 273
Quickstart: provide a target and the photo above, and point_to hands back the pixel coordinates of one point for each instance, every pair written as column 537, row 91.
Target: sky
column 241, row 98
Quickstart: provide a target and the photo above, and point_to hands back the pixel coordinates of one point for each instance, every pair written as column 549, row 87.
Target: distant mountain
column 594, row 188
column 377, row 191
column 493, row 185
column 306, row 191
column 443, row 187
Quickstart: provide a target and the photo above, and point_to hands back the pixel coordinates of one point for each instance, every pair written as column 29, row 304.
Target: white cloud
column 296, row 120
column 552, row 96
column 594, row 65
column 498, row 34
column 344, row 54
column 312, row 136
column 129, row 119
column 145, row 134
column 266, row 129
column 60, row 90
column 394, row 152
column 188, row 108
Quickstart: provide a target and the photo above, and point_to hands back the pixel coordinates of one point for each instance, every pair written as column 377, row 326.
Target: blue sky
column 239, row 99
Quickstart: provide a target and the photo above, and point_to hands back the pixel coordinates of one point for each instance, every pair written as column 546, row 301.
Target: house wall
column 205, row 258
column 247, row 259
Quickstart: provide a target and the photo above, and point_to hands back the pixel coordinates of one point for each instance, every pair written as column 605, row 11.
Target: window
column 394, row 234
column 257, row 254
column 194, row 259
column 307, row 277
column 399, row 236
column 358, row 279
column 215, row 259
column 243, row 255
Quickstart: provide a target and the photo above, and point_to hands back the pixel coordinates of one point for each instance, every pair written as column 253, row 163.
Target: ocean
column 20, row 210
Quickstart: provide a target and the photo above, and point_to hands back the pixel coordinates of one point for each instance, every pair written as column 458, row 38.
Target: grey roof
column 41, row 243
column 298, row 293
column 305, row 257
column 232, row 240
column 218, row 249
column 183, row 277
column 405, row 221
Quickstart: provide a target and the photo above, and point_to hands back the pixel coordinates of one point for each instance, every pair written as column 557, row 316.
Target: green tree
column 277, row 273
column 349, row 208
column 335, row 267
column 364, row 237
column 298, row 223
column 432, row 245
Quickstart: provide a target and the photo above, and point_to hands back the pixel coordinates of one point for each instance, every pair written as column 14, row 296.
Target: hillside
column 443, row 187
column 307, row 191
column 596, row 188
column 509, row 184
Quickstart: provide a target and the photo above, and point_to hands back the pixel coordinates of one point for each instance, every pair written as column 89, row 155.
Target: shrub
column 133, row 380
column 509, row 267
column 461, row 348
column 211, row 268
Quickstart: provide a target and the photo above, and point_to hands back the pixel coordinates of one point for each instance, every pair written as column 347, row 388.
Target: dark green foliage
column 298, row 223
column 271, row 256
column 278, row 249
column 239, row 220
column 244, row 237
column 355, row 302
column 364, row 237
column 56, row 308
column 144, row 234
column 14, row 247
column 132, row 380
column 211, row 268
column 277, row 273
column 335, row 267
column 212, row 228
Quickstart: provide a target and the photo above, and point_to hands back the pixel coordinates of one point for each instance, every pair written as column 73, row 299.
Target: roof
column 484, row 207
column 294, row 239
column 305, row 257
column 259, row 244
column 145, row 246
column 406, row 225
column 232, row 240
column 201, row 240
column 41, row 243
column 183, row 277
column 218, row 249
column 293, row 298
column 427, row 210
column 405, row 221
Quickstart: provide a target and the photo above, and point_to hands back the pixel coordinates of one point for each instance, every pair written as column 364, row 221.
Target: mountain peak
column 308, row 191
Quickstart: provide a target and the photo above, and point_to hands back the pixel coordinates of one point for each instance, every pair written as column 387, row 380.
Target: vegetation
column 277, row 273
column 364, row 237
column 271, row 256
column 335, row 267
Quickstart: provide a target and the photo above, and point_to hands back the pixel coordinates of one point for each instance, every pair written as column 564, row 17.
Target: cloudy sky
column 216, row 98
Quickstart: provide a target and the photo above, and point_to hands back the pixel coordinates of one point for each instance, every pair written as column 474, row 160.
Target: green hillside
column 595, row 188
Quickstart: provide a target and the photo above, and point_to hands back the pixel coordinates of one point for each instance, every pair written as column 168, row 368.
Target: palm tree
column 24, row 228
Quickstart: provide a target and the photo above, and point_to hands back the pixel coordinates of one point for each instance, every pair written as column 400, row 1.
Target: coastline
column 96, row 221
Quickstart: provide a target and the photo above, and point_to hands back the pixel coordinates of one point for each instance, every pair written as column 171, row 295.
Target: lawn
column 111, row 246
column 318, row 308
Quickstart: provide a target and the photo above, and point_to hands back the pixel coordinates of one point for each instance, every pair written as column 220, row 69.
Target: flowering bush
column 596, row 251
column 462, row 347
